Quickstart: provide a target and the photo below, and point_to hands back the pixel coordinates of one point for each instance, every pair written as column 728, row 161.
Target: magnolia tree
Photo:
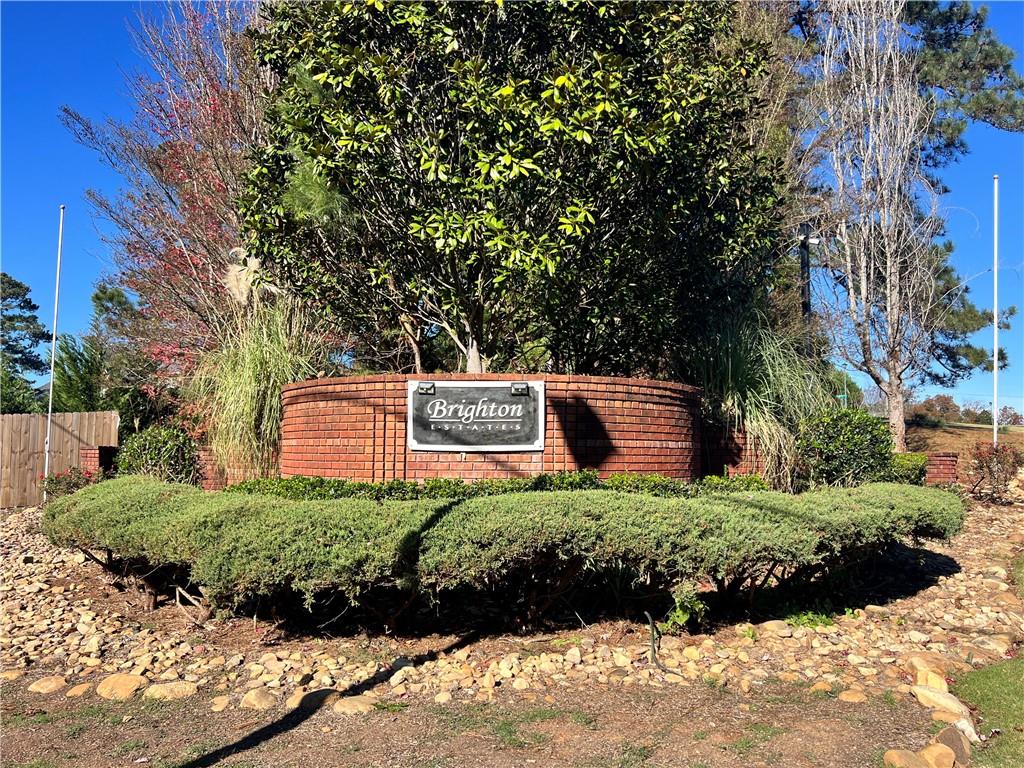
column 546, row 185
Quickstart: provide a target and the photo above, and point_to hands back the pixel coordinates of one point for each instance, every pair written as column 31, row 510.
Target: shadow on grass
column 312, row 703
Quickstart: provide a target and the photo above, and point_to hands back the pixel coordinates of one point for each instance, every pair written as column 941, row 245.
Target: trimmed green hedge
column 324, row 489
column 240, row 546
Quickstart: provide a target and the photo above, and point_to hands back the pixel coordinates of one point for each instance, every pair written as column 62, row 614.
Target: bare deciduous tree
column 882, row 268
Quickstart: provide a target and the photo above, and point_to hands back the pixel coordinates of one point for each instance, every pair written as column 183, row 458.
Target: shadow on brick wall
column 586, row 438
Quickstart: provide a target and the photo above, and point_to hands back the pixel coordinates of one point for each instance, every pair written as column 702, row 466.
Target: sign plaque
column 481, row 416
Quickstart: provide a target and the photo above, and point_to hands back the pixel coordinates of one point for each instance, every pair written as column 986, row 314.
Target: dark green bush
column 656, row 485
column 162, row 452
column 734, row 484
column 844, row 448
column 323, row 489
column 241, row 546
column 907, row 468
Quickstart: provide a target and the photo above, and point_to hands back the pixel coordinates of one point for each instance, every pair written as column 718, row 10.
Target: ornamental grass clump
column 239, row 548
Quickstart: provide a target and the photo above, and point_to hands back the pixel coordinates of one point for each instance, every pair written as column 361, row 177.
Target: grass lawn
column 998, row 694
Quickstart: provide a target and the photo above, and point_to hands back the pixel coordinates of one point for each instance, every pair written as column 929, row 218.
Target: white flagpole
column 995, row 310
column 53, row 351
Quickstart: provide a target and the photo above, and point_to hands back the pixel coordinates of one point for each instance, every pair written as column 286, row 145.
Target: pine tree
column 20, row 330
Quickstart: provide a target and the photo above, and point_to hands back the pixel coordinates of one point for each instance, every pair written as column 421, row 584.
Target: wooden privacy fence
column 23, row 442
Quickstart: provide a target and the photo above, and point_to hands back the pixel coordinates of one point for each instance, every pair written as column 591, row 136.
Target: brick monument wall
column 355, row 427
column 728, row 451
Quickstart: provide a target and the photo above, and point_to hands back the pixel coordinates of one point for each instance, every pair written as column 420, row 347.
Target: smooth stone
column 957, row 742
column 777, row 627
column 931, row 679
column 902, row 758
column 938, row 756
column 50, row 684
column 935, row 699
column 219, row 703
column 258, row 698
column 120, row 687
column 965, row 727
column 852, row 697
column 170, row 691
column 442, row 698
column 354, row 705
column 314, row 699
column 293, row 701
column 11, row 674
column 79, row 690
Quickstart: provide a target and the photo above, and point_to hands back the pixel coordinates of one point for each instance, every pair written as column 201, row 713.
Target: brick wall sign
column 359, row 427
column 481, row 416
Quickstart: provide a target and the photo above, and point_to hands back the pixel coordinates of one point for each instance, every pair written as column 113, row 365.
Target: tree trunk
column 417, row 356
column 409, row 328
column 474, row 362
column 897, row 425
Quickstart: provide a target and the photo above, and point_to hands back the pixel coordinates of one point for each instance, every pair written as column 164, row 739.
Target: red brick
column 355, row 428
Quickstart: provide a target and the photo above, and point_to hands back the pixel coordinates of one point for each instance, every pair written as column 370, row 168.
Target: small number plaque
column 492, row 416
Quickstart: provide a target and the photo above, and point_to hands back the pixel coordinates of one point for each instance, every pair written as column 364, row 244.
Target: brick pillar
column 89, row 459
column 941, row 468
column 97, row 459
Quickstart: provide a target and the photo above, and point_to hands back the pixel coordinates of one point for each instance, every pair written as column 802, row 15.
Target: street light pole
column 995, row 311
column 805, row 286
column 53, row 353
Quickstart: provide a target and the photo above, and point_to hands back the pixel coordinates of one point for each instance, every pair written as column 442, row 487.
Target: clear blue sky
column 76, row 53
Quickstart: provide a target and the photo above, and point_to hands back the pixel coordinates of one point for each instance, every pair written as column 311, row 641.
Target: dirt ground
column 696, row 727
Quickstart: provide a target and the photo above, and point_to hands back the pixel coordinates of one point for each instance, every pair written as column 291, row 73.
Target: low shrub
column 844, row 448
column 687, row 606
column 992, row 469
column 733, row 484
column 57, row 484
column 243, row 546
column 323, row 489
column 163, row 452
column 907, row 468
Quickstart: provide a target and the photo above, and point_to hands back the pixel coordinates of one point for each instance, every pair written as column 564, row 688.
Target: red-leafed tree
column 183, row 157
column 223, row 336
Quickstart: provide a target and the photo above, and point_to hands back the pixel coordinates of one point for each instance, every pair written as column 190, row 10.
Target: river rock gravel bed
column 66, row 631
